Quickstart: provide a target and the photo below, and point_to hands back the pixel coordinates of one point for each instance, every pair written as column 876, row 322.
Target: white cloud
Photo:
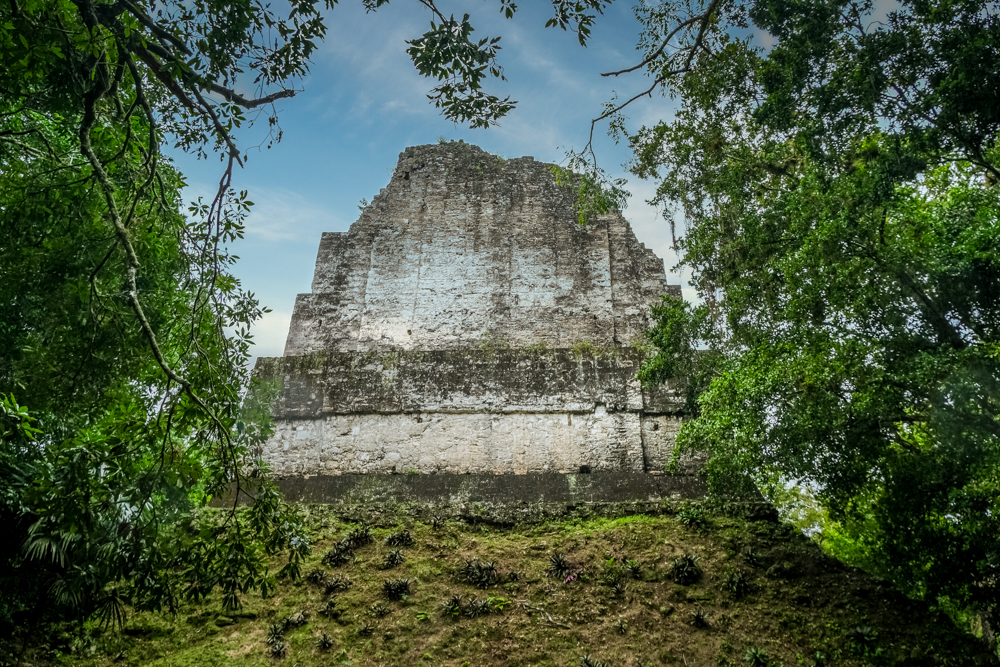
column 284, row 215
column 269, row 334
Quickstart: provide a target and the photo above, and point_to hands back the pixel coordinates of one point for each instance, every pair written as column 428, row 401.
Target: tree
column 123, row 336
column 842, row 224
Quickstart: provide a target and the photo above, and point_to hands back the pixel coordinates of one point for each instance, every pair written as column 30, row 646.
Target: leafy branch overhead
column 447, row 53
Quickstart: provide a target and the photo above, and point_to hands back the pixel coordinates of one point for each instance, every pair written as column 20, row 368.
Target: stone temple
column 467, row 323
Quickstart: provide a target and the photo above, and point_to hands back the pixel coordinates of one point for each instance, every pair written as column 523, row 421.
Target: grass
column 795, row 603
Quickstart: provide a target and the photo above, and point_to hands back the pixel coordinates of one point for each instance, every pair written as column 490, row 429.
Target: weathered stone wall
column 504, row 411
column 462, row 246
column 466, row 323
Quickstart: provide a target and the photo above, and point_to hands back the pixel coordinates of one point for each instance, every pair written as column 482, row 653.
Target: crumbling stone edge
column 504, row 500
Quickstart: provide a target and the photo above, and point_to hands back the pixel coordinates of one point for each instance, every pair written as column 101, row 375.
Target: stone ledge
column 464, row 381
column 513, row 490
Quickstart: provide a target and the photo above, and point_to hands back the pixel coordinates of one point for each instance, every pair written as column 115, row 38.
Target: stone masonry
column 467, row 323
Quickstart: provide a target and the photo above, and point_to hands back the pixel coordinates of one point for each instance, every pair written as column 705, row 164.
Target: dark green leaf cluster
column 590, row 661
column 396, row 589
column 337, row 583
column 737, row 583
column 342, row 552
column 447, row 53
column 558, row 566
column 483, row 574
column 693, row 516
column 453, row 606
column 685, row 569
column 360, row 536
column 399, row 539
column 393, row 558
column 841, row 215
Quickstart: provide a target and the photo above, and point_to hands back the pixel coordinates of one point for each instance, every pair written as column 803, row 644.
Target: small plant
column 400, row 539
column 699, row 618
column 329, row 609
column 634, row 568
column 613, row 575
column 396, row 589
column 753, row 558
column 315, row 577
column 558, row 566
column 863, row 639
column 497, row 603
column 279, row 649
column 452, row 606
column 366, row 630
column 341, row 553
column 297, row 619
column 757, row 657
column 423, row 615
column 479, row 573
column 276, row 633
column 393, row 558
column 337, row 583
column 693, row 516
column 436, row 522
column 379, row 610
column 324, row 642
column 737, row 583
column 621, row 626
column 360, row 536
column 685, row 570
column 588, row 661
column 478, row 608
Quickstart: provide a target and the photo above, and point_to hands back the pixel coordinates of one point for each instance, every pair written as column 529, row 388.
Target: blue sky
column 364, row 103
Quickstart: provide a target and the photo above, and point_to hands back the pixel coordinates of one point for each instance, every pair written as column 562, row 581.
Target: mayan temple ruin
column 467, row 323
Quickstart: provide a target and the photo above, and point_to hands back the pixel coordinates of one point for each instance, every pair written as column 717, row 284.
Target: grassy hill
column 683, row 589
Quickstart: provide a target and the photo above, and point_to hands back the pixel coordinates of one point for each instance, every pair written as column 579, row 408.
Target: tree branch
column 656, row 54
column 236, row 98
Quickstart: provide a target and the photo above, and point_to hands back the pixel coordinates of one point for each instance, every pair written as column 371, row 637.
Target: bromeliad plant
column 558, row 567
column 737, row 583
column 341, row 553
column 483, row 574
column 337, row 583
column 379, row 610
column 393, row 558
column 699, row 618
column 693, row 516
column 330, row 609
column 399, row 539
column 477, row 608
column 396, row 589
column 685, row 570
column 279, row 649
column 360, row 536
column 453, row 606
column 276, row 633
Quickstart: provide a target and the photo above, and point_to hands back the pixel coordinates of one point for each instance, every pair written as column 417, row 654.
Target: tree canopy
column 124, row 335
column 841, row 221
